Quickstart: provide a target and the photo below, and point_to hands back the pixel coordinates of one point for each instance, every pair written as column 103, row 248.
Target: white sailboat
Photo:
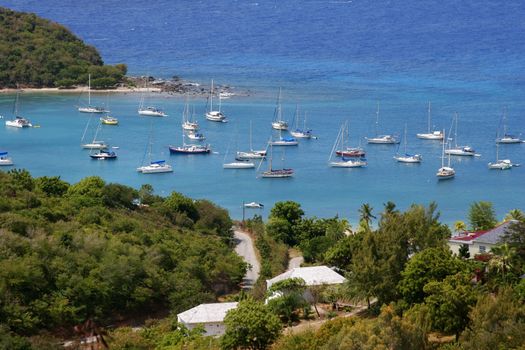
column 89, row 108
column 381, row 139
column 284, row 141
column 500, row 164
column 272, row 173
column 445, row 172
column 408, row 158
column 459, row 150
column 356, row 162
column 238, row 164
column 5, row 160
column 18, row 121
column 94, row 144
column 251, row 154
column 278, row 123
column 507, row 137
column 150, row 111
column 214, row 116
column 430, row 135
column 153, row 167
column 299, row 133
column 187, row 124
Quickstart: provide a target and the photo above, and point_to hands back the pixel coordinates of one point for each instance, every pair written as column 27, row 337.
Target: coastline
column 80, row 89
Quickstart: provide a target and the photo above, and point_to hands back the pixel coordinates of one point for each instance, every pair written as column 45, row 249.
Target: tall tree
column 250, row 326
column 482, row 216
column 366, row 216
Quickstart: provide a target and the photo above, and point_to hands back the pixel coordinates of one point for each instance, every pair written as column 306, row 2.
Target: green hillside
column 35, row 52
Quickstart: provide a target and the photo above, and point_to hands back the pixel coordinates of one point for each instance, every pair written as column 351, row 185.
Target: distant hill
column 36, row 52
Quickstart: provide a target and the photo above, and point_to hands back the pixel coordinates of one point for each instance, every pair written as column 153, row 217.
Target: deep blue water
column 336, row 59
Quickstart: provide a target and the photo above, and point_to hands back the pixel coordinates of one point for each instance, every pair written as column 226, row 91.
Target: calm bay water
column 335, row 59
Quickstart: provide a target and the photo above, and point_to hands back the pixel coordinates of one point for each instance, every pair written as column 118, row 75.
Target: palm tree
column 366, row 214
column 502, row 259
column 515, row 214
column 460, row 226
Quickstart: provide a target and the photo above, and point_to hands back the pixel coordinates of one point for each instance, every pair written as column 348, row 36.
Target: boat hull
column 277, row 174
column 95, row 146
column 92, row 110
column 250, row 155
column 348, row 164
column 409, row 159
column 508, row 140
column 6, row 162
column 216, row 116
column 239, row 165
column 382, row 140
column 301, row 135
column 280, row 125
column 155, row 170
column 189, row 150
column 457, row 152
column 430, row 136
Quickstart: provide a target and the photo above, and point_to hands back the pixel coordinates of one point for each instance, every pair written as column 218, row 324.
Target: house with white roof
column 210, row 316
column 312, row 275
column 479, row 242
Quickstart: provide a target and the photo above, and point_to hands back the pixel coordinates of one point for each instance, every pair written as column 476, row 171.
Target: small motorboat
column 107, row 120
column 158, row 166
column 5, row 160
column 103, row 155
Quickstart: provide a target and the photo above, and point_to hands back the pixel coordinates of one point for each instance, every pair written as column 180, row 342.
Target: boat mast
column 456, row 131
column 251, row 146
column 211, row 96
column 89, row 90
column 377, row 119
column 429, row 117
column 278, row 107
column 296, row 117
column 405, row 138
column 443, row 151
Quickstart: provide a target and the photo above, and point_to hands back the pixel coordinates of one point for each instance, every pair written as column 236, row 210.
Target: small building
column 210, row 316
column 479, row 242
column 313, row 276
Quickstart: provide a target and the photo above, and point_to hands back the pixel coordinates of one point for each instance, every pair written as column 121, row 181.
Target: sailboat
column 94, row 144
column 189, row 148
column 408, row 158
column 381, row 139
column 89, row 108
column 445, row 172
column 107, row 119
column 191, row 133
column 214, row 116
column 187, row 124
column 157, row 166
column 459, row 150
column 430, row 135
column 150, row 111
column 303, row 133
column 506, row 137
column 272, row 173
column 5, row 160
column 238, row 164
column 500, row 164
column 18, row 121
column 278, row 122
column 344, row 162
column 103, row 154
column 284, row 141
column 251, row 154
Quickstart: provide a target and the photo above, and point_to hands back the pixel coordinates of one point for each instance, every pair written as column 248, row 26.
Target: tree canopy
column 35, row 52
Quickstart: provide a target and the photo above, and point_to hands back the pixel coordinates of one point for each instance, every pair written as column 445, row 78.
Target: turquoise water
column 335, row 59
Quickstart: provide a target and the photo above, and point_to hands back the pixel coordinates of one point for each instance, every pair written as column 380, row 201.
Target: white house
column 210, row 316
column 313, row 276
column 480, row 241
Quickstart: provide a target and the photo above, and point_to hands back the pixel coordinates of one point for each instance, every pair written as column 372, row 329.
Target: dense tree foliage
column 482, row 216
column 73, row 252
column 285, row 297
column 250, row 326
column 35, row 52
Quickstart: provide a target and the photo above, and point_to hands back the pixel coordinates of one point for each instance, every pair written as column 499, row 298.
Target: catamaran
column 445, row 172
column 89, row 108
column 5, row 160
column 251, row 154
column 500, row 164
column 214, row 116
column 153, row 167
column 430, row 135
column 459, row 150
column 381, row 139
column 94, row 144
column 278, row 122
column 303, row 133
column 408, row 158
column 506, row 137
column 358, row 162
column 18, row 121
column 272, row 173
column 150, row 111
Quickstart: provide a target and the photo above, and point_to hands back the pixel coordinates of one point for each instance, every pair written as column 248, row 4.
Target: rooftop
column 492, row 236
column 313, row 276
column 206, row 313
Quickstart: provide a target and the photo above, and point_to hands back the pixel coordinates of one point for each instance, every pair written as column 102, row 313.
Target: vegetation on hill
column 35, row 52
column 105, row 252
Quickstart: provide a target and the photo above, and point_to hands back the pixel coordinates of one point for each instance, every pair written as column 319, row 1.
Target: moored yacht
column 5, row 160
column 445, row 172
column 278, row 123
column 459, row 150
column 159, row 166
column 103, row 155
column 211, row 115
column 381, row 139
column 430, row 135
column 18, row 122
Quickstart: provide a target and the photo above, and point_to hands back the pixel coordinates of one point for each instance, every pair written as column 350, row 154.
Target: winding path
column 246, row 250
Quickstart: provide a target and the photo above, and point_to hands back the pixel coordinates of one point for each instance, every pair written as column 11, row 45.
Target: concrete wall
column 211, row 329
column 474, row 248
